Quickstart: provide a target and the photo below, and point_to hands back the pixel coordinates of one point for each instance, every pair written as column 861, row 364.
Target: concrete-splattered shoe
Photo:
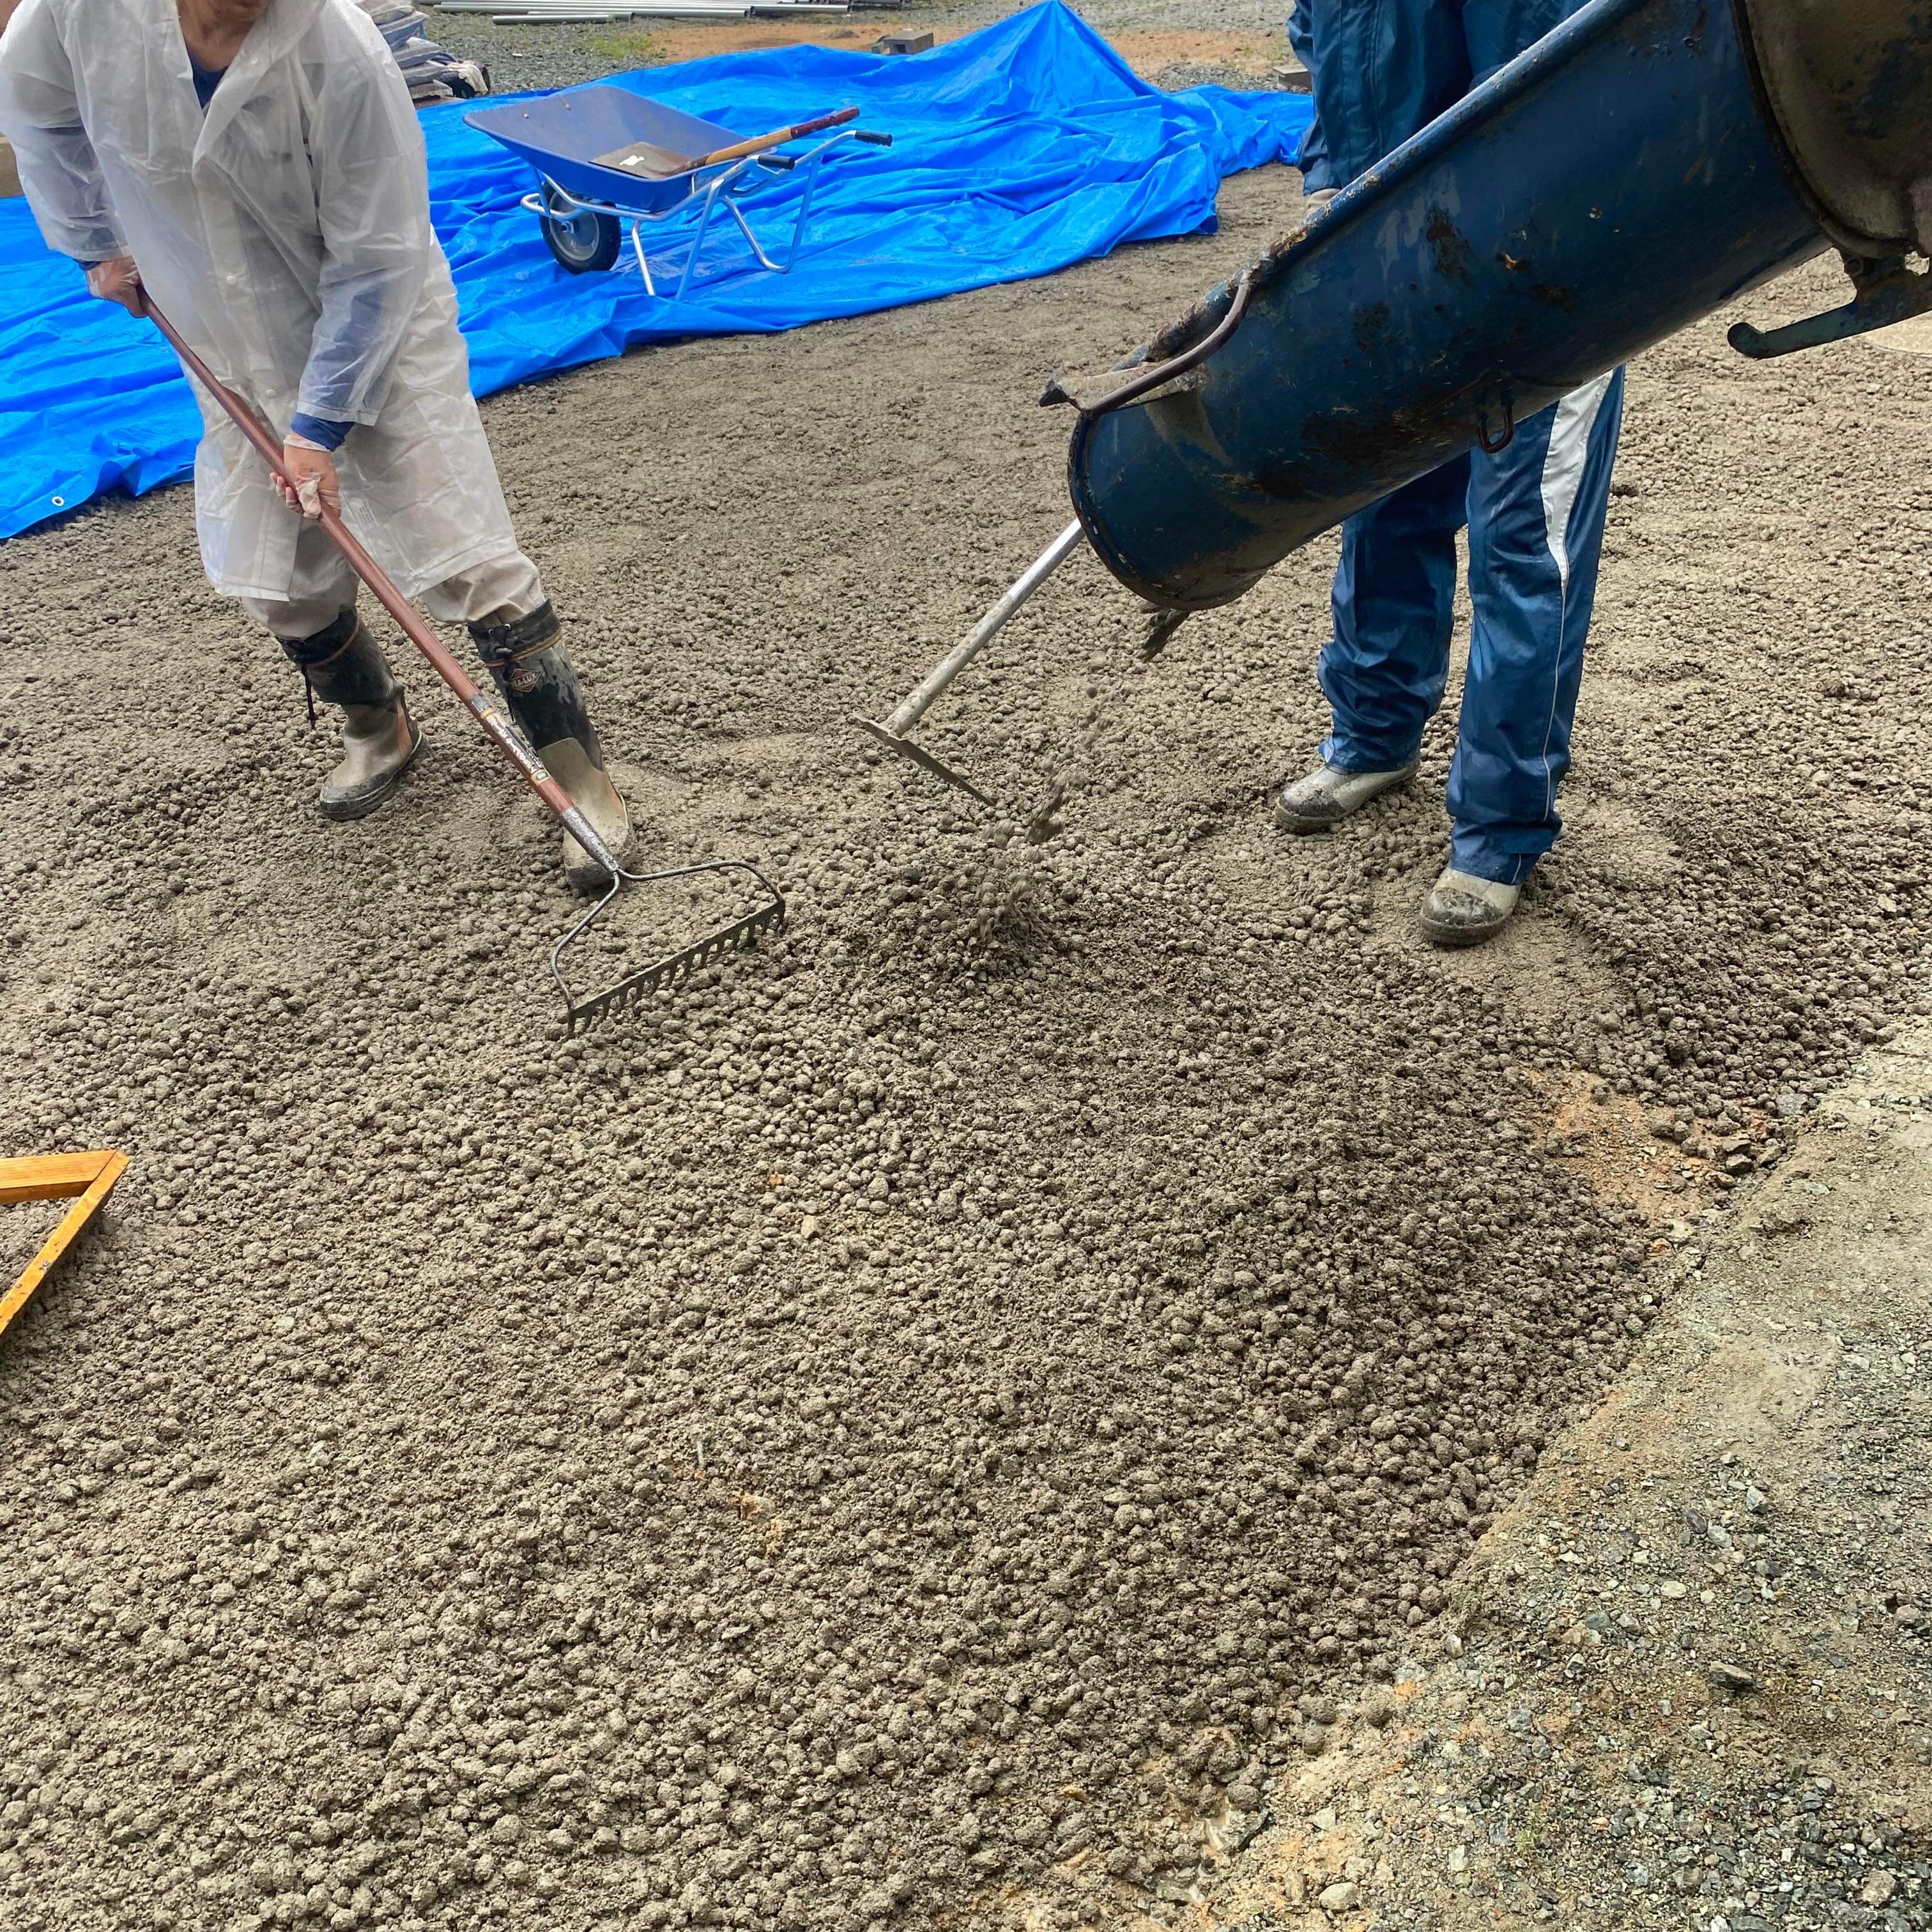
column 1463, row 910
column 546, row 698
column 593, row 794
column 1325, row 797
column 342, row 664
column 379, row 742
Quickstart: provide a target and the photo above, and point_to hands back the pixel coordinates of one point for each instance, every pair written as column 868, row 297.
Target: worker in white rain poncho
column 257, row 165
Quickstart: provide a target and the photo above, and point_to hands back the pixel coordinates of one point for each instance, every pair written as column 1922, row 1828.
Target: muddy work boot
column 1325, row 797
column 1463, row 910
column 343, row 665
column 544, row 698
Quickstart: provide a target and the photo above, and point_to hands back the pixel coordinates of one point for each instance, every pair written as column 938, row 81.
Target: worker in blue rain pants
column 1312, row 158
column 257, row 166
column 1381, row 70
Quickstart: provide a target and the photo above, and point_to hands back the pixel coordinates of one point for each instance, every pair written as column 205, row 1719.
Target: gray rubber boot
column 1463, row 910
column 1321, row 798
column 547, row 701
column 343, row 665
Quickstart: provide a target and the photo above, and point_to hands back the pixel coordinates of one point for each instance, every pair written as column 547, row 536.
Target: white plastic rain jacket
column 286, row 233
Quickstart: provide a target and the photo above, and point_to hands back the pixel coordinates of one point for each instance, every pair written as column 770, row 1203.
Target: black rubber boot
column 547, row 701
column 343, row 665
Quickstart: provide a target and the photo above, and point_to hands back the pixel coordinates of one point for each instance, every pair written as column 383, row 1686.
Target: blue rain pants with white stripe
column 1381, row 70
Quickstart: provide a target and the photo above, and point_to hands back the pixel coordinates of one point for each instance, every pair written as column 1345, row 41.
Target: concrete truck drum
column 1628, row 174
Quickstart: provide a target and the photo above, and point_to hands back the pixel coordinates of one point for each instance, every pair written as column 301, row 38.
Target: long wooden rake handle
column 759, row 143
column 487, row 711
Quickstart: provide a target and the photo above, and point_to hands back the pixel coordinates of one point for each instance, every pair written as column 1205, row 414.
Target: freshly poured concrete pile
column 915, row 1429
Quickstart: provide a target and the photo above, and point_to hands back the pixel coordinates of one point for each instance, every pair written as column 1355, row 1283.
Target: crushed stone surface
column 1684, row 1680
column 924, row 1425
column 24, row 1226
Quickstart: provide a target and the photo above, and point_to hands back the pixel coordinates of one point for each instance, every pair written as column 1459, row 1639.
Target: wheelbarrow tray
column 561, row 135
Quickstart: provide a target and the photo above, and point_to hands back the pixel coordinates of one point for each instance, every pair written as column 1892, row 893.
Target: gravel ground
column 523, row 58
column 557, row 56
column 23, row 1227
column 918, row 1427
column 1686, row 1682
column 1129, row 16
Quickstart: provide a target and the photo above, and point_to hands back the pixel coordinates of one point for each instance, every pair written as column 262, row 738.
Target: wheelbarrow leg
column 783, row 268
column 643, row 260
column 745, row 228
column 805, row 206
column 703, row 224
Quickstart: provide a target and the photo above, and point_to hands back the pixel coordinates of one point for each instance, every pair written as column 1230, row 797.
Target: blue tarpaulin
column 1016, row 150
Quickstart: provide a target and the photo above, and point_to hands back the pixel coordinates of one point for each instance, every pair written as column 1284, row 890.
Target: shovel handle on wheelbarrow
column 488, row 712
column 776, row 139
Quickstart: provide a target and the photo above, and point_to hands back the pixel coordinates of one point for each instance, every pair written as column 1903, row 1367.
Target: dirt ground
column 1147, row 52
column 1238, row 43
column 939, row 1423
column 1684, row 1682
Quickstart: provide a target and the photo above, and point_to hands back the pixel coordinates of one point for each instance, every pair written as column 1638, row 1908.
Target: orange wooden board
column 54, row 1177
column 48, row 1176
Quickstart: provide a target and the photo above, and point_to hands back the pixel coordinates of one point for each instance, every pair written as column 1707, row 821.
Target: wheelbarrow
column 577, row 140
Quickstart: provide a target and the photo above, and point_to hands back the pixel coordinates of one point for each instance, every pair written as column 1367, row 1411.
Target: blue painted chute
column 1016, row 150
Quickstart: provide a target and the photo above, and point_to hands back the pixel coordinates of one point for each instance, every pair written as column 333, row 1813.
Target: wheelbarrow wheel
column 582, row 240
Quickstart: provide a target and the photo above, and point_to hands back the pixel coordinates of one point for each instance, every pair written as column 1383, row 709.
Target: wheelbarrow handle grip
column 872, row 137
column 488, row 712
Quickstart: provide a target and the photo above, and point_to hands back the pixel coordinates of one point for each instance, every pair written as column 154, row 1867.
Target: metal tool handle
column 488, row 712
column 988, row 627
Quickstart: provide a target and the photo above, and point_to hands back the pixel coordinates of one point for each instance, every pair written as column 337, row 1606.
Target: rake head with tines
column 580, row 1015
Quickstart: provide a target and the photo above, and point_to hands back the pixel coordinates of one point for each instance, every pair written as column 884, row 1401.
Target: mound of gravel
column 775, row 1464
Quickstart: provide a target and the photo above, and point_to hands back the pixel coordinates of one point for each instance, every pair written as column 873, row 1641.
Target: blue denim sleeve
column 330, row 435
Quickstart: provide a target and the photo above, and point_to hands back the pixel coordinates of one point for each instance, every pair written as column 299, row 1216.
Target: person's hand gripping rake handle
column 494, row 720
